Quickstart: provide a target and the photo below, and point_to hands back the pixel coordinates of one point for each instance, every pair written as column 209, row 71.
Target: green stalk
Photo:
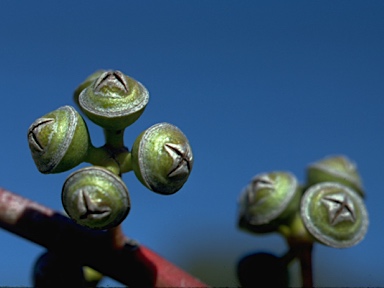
column 301, row 244
column 114, row 139
column 100, row 156
column 114, row 142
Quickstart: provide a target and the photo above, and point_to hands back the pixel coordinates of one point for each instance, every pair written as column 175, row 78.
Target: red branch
column 132, row 264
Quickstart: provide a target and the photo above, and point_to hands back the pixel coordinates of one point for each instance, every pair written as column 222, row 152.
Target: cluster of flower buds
column 328, row 209
column 96, row 196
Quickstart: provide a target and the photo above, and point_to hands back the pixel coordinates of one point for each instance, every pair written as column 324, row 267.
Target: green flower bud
column 334, row 214
column 114, row 100
column 59, row 140
column 88, row 81
column 96, row 198
column 335, row 169
column 162, row 158
column 268, row 201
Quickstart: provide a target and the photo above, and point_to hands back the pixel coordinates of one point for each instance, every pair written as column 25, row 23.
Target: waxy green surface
column 96, row 198
column 335, row 169
column 59, row 140
column 269, row 200
column 162, row 158
column 334, row 214
column 114, row 100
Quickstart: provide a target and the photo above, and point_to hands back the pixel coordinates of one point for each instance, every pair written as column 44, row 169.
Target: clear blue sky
column 255, row 86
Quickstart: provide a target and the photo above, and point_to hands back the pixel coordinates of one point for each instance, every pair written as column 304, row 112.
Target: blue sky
column 255, row 86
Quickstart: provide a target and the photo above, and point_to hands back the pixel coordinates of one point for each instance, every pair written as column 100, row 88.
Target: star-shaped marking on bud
column 182, row 158
column 258, row 183
column 89, row 209
column 340, row 208
column 262, row 182
column 35, row 130
column 111, row 80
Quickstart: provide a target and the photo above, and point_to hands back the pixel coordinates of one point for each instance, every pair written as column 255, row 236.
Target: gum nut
column 335, row 169
column 114, row 100
column 58, row 141
column 96, row 198
column 88, row 81
column 267, row 200
column 334, row 214
column 162, row 158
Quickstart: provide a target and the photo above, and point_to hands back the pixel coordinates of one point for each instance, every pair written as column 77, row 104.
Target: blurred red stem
column 305, row 256
column 109, row 252
column 303, row 251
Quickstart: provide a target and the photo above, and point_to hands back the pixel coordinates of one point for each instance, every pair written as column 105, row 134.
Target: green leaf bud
column 96, row 198
column 334, row 214
column 114, row 100
column 162, row 158
column 59, row 140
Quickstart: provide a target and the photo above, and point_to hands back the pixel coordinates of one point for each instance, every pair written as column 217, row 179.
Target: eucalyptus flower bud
column 335, row 169
column 114, row 100
column 59, row 140
column 162, row 158
column 334, row 214
column 268, row 201
column 88, row 81
column 96, row 198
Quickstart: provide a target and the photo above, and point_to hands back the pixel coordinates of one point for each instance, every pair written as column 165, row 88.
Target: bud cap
column 334, row 214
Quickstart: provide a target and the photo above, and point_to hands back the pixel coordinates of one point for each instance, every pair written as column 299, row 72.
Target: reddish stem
column 108, row 252
column 303, row 251
column 305, row 256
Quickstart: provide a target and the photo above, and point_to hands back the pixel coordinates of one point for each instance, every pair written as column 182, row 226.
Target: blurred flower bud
column 92, row 277
column 255, row 270
column 335, row 169
column 269, row 200
column 54, row 270
column 334, row 214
